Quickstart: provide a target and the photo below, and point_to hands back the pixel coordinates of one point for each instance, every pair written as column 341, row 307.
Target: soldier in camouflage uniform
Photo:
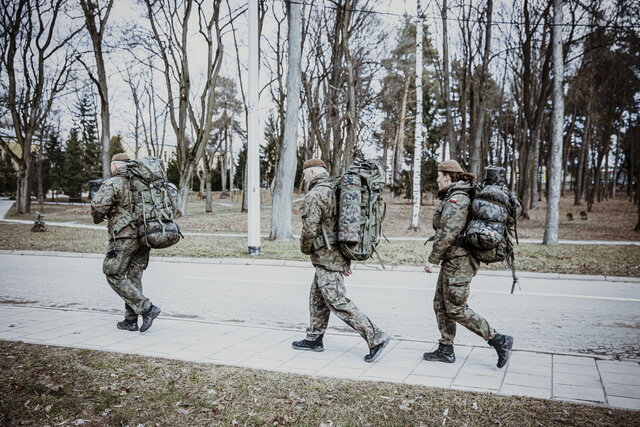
column 328, row 293
column 126, row 258
column 457, row 268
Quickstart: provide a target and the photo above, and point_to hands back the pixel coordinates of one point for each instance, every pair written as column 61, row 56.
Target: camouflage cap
column 312, row 163
column 120, row 157
column 450, row 166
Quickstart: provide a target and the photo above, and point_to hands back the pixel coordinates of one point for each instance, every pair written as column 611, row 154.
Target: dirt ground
column 613, row 219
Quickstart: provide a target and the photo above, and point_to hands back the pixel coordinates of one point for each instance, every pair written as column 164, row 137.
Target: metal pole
column 253, row 148
column 419, row 134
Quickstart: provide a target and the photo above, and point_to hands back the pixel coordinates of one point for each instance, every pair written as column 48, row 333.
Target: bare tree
column 170, row 31
column 285, row 175
column 96, row 18
column 553, row 209
column 453, row 147
column 37, row 67
column 476, row 153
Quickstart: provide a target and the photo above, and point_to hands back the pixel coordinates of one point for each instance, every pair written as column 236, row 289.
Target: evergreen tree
column 54, row 156
column 115, row 145
column 88, row 136
column 8, row 175
column 73, row 170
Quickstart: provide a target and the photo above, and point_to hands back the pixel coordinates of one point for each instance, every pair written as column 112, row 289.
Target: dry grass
column 611, row 260
column 610, row 220
column 56, row 386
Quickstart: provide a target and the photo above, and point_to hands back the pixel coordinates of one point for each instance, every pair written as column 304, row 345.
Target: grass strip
column 609, row 260
column 42, row 385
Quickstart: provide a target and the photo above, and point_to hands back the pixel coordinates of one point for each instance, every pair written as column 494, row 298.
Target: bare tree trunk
column 453, row 147
column 352, row 117
column 476, row 161
column 208, row 205
column 283, row 186
column 555, row 173
column 398, row 156
column 535, row 190
column 95, row 29
column 416, row 193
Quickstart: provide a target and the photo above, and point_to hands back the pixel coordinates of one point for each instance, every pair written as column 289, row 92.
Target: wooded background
column 487, row 92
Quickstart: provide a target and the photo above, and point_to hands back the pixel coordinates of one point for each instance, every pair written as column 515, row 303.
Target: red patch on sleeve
column 452, row 200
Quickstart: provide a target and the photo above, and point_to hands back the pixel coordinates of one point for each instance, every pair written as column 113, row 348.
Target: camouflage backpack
column 152, row 207
column 360, row 209
column 492, row 221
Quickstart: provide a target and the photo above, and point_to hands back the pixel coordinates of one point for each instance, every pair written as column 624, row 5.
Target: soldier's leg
column 318, row 312
column 460, row 271
column 138, row 264
column 115, row 267
column 331, row 284
column 446, row 325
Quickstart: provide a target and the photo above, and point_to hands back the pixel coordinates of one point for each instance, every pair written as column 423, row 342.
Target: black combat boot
column 376, row 351
column 148, row 317
column 444, row 353
column 315, row 345
column 128, row 325
column 502, row 344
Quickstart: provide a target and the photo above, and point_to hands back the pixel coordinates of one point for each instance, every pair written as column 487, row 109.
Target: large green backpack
column 152, row 208
column 360, row 209
column 492, row 222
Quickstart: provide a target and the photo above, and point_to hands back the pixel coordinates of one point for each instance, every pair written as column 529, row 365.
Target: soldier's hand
column 427, row 268
column 346, row 273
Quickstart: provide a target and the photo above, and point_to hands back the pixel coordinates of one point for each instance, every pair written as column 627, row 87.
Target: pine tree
column 73, row 170
column 88, row 136
column 54, row 162
column 115, row 145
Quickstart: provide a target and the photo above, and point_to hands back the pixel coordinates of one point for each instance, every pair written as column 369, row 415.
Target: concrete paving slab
column 624, row 403
column 485, row 382
column 573, row 360
column 576, row 379
column 524, row 368
column 592, row 394
column 623, row 390
column 521, row 390
column 613, row 378
column 436, row 369
column 563, row 368
column 521, row 357
column 471, row 368
column 529, row 381
column 626, row 368
column 388, row 373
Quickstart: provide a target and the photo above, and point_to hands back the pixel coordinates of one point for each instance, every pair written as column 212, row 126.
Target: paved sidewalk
column 565, row 377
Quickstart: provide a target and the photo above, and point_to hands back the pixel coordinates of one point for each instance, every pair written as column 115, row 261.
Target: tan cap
column 450, row 166
column 312, row 163
column 120, row 157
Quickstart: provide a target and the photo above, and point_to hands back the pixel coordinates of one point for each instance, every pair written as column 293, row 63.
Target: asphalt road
column 554, row 315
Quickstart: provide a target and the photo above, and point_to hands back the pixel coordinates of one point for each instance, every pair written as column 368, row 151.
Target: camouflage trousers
column 450, row 300
column 327, row 295
column 124, row 264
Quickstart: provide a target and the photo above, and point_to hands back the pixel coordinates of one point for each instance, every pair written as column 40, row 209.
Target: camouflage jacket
column 112, row 202
column 320, row 227
column 449, row 220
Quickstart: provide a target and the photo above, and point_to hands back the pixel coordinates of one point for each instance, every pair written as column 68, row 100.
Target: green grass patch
column 42, row 385
column 610, row 260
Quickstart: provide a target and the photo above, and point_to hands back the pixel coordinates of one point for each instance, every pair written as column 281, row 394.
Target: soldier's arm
column 452, row 223
column 103, row 200
column 311, row 219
